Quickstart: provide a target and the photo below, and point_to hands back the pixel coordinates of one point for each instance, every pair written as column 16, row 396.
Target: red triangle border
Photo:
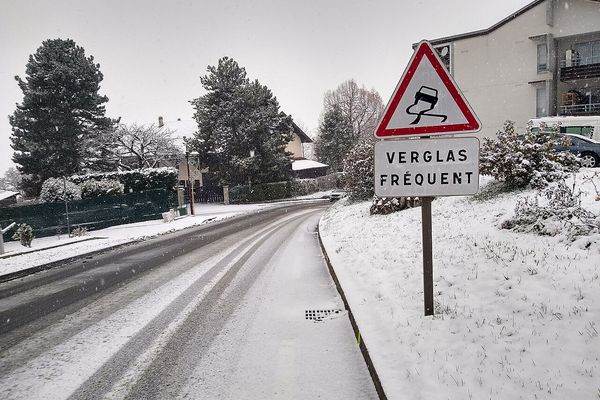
column 424, row 49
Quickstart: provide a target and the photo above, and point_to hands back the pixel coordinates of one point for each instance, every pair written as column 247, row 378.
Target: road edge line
column 361, row 341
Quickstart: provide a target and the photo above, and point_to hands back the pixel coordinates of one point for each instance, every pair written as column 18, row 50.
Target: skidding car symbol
column 428, row 96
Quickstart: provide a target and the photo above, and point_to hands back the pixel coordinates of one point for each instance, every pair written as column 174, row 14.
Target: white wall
column 576, row 17
column 295, row 147
column 493, row 70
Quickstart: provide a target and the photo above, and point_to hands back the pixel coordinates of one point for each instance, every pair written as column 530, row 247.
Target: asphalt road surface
column 241, row 309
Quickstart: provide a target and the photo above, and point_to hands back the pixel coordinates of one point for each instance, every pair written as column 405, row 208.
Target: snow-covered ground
column 47, row 252
column 517, row 315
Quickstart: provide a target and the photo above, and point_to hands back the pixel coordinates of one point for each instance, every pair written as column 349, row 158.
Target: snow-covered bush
column 53, row 190
column 135, row 180
column 24, row 234
column 556, row 211
column 359, row 172
column 79, row 231
column 388, row 205
column 525, row 159
column 104, row 187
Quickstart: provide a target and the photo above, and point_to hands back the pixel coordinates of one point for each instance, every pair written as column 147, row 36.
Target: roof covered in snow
column 300, row 165
column 304, row 138
column 5, row 194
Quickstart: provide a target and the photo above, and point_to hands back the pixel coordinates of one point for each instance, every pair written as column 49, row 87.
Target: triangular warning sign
column 426, row 101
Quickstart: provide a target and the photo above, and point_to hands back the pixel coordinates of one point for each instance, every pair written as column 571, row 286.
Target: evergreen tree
column 359, row 171
column 242, row 135
column 335, row 138
column 61, row 117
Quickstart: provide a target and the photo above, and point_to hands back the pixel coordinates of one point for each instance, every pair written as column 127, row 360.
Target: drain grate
column 320, row 315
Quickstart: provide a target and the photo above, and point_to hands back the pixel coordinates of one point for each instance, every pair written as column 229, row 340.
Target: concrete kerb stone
column 362, row 344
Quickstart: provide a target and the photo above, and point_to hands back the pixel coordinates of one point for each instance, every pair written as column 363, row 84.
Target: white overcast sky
column 152, row 53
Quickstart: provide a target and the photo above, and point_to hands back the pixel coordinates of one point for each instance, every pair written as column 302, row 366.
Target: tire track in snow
column 136, row 362
column 60, row 371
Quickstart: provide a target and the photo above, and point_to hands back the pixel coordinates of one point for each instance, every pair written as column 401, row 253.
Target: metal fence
column 49, row 219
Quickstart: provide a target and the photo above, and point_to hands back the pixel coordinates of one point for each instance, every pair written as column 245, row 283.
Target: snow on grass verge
column 517, row 315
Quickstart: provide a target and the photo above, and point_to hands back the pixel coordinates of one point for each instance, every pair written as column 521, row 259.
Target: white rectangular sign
column 427, row 167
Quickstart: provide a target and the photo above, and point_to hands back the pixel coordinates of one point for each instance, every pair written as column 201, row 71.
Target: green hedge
column 135, row 180
column 49, row 219
column 260, row 193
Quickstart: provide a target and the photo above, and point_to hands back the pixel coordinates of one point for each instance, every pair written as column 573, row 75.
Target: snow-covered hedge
column 260, row 192
column 135, row 180
column 104, row 187
column 556, row 211
column 53, row 190
column 301, row 187
column 525, row 159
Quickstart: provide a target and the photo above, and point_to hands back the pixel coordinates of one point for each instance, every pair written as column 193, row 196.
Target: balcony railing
column 580, row 109
column 580, row 61
column 580, row 68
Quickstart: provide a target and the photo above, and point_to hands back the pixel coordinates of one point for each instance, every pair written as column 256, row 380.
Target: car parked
column 588, row 150
column 336, row 195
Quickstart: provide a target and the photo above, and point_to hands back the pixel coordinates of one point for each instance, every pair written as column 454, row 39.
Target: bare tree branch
column 362, row 107
column 142, row 146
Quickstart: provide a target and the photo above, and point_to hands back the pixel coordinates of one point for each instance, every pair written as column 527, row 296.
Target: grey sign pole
column 427, row 254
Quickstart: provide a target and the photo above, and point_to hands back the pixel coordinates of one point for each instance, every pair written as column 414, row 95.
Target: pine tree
column 241, row 132
column 62, row 114
column 359, row 171
column 335, row 138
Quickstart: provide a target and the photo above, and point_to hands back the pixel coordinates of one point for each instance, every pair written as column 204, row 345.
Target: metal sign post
column 427, row 254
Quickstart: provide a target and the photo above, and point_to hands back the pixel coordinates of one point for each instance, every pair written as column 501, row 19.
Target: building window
column 542, row 57
column 541, row 104
column 587, row 53
column 444, row 53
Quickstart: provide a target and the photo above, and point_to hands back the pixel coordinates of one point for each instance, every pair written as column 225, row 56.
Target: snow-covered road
column 225, row 320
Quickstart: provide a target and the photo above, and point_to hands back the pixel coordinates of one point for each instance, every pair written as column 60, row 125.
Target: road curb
column 361, row 342
column 29, row 271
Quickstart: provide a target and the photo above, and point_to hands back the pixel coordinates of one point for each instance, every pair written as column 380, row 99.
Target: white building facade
column 543, row 60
